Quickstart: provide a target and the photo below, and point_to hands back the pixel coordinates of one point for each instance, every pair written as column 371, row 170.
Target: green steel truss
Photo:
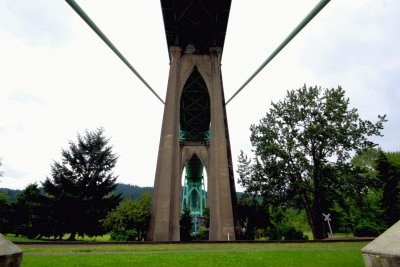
column 195, row 109
column 194, row 195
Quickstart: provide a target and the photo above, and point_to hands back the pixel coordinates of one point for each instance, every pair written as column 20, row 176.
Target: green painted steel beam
column 99, row 33
column 299, row 27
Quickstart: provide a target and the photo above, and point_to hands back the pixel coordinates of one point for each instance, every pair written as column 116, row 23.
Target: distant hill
column 131, row 191
column 11, row 193
column 126, row 190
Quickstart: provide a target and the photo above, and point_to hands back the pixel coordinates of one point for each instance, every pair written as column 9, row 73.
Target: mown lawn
column 316, row 254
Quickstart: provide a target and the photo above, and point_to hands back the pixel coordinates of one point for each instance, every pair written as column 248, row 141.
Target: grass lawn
column 270, row 258
column 198, row 255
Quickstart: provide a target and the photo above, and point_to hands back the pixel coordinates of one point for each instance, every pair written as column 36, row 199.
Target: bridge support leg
column 221, row 189
column 164, row 222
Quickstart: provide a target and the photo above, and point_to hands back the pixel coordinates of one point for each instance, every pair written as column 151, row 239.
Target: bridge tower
column 194, row 130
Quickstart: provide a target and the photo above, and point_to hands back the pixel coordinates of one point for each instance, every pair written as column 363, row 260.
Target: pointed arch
column 194, row 195
column 195, row 108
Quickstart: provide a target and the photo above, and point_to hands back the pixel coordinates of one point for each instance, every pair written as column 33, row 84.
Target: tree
column 130, row 221
column 186, row 225
column 302, row 148
column 5, row 210
column 252, row 215
column 29, row 216
column 389, row 178
column 81, row 185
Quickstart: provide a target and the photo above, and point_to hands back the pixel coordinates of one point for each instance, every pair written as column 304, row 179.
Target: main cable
column 99, row 33
column 296, row 30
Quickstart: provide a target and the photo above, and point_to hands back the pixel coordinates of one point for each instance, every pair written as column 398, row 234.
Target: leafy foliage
column 367, row 229
column 129, row 222
column 302, row 149
column 82, row 184
column 186, row 225
column 5, row 210
column 11, row 193
column 389, row 179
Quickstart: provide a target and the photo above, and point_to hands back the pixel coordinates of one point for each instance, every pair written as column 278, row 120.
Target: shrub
column 202, row 234
column 291, row 233
column 127, row 235
column 284, row 232
column 367, row 229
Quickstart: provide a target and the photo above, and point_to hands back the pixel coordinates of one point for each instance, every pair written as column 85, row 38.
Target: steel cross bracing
column 195, row 109
column 204, row 21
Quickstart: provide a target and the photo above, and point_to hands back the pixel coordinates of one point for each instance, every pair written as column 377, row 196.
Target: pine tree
column 81, row 185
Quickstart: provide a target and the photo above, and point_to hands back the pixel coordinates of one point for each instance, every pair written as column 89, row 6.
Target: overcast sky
column 57, row 78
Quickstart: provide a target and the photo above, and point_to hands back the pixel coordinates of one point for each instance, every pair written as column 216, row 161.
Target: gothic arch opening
column 195, row 109
column 194, row 194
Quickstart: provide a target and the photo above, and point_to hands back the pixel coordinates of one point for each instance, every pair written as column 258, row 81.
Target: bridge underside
column 198, row 23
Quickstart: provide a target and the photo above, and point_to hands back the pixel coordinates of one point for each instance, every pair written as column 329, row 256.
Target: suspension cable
column 99, row 33
column 299, row 27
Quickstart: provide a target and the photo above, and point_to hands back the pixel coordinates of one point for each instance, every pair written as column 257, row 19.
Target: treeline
column 127, row 191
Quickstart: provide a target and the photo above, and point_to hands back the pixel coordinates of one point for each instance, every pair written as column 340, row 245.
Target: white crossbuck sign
column 328, row 220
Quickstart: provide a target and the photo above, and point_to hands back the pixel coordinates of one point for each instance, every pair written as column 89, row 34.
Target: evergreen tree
column 29, row 216
column 81, row 185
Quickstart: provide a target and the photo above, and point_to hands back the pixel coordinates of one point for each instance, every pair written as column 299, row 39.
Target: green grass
column 209, row 259
column 196, row 255
column 172, row 247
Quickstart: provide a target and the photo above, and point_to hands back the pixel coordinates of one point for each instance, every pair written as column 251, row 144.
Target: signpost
column 328, row 220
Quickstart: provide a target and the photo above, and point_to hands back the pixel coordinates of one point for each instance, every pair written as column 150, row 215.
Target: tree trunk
column 317, row 208
column 72, row 236
column 318, row 223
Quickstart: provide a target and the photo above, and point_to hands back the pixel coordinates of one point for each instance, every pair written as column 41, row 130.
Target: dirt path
column 189, row 251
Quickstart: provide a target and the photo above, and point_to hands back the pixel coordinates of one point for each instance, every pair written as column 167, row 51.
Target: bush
column 127, row 235
column 274, row 233
column 202, row 234
column 367, row 229
column 284, row 232
column 291, row 233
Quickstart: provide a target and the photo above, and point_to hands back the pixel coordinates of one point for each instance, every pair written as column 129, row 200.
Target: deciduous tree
column 303, row 146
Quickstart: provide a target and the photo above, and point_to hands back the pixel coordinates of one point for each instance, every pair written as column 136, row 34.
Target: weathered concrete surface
column 172, row 155
column 384, row 250
column 10, row 254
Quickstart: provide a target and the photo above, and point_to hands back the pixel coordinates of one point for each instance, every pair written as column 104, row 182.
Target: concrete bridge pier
column 173, row 153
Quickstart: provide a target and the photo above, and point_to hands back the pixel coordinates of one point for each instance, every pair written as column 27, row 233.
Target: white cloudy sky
column 57, row 78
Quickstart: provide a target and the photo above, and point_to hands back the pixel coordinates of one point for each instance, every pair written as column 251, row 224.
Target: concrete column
column 219, row 185
column 164, row 221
